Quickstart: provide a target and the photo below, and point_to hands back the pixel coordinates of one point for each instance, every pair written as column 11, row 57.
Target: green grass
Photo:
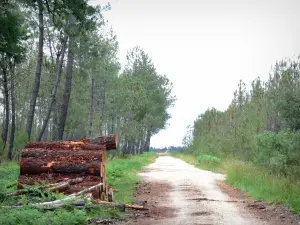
column 256, row 181
column 121, row 174
column 205, row 162
column 261, row 185
column 9, row 173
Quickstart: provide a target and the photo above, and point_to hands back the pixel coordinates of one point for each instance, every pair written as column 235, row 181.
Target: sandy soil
column 178, row 193
column 194, row 195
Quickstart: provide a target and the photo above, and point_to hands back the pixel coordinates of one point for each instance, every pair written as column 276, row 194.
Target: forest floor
column 178, row 193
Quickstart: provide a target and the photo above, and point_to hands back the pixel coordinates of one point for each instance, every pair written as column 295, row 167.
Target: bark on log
column 38, row 166
column 109, row 141
column 62, row 155
column 66, row 145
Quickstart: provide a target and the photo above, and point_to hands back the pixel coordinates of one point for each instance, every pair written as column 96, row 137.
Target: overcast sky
column 205, row 47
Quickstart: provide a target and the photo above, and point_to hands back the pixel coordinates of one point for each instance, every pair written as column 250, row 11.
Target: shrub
column 279, row 153
column 209, row 159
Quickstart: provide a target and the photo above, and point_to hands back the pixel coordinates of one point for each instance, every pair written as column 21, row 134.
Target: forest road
column 193, row 195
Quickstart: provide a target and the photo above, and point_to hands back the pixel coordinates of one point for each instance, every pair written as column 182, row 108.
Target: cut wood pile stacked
column 68, row 166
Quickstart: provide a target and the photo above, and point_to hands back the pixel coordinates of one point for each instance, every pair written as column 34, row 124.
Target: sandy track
column 195, row 196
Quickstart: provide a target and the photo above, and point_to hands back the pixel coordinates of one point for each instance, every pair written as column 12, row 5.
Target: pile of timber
column 67, row 166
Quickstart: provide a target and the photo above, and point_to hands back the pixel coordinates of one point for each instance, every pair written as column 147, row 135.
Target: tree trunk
column 54, row 88
column 67, row 145
column 38, row 166
column 38, row 71
column 147, row 145
column 6, row 107
column 91, row 108
column 102, row 109
column 63, row 155
column 13, row 114
column 109, row 141
column 125, row 147
column 144, row 141
column 55, row 121
column 46, row 133
column 67, row 90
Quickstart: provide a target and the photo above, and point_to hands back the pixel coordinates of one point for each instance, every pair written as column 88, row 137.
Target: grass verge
column 254, row 180
column 121, row 174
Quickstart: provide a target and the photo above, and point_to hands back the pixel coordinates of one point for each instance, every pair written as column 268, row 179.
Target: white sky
column 205, row 47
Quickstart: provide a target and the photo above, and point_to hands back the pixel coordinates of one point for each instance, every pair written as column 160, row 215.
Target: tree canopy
column 61, row 78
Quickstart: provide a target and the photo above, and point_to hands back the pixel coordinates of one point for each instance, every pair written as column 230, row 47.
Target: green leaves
column 13, row 31
column 261, row 125
column 147, row 94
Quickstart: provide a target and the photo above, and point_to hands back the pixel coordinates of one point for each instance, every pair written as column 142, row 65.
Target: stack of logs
column 68, row 166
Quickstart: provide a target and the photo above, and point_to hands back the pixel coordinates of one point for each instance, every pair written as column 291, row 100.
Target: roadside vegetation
column 61, row 79
column 256, row 181
column 256, row 140
column 121, row 175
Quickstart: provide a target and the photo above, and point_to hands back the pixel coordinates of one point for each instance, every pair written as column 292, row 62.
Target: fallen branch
column 71, row 182
column 79, row 203
column 93, row 188
column 60, row 186
column 69, row 197
column 139, row 207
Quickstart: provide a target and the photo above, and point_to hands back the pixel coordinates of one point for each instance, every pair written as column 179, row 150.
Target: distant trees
column 148, row 96
column 13, row 32
column 61, row 78
column 261, row 125
column 169, row 148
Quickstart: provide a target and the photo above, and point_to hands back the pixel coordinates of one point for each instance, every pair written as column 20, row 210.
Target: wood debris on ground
column 69, row 166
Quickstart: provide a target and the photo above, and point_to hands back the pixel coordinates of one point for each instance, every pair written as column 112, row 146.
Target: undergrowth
column 121, row 175
column 206, row 162
column 257, row 181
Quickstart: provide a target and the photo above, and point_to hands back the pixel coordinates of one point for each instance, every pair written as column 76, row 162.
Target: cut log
column 38, row 166
column 53, row 178
column 62, row 155
column 66, row 145
column 109, row 141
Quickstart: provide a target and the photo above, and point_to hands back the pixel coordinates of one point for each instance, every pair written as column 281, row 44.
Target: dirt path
column 178, row 193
